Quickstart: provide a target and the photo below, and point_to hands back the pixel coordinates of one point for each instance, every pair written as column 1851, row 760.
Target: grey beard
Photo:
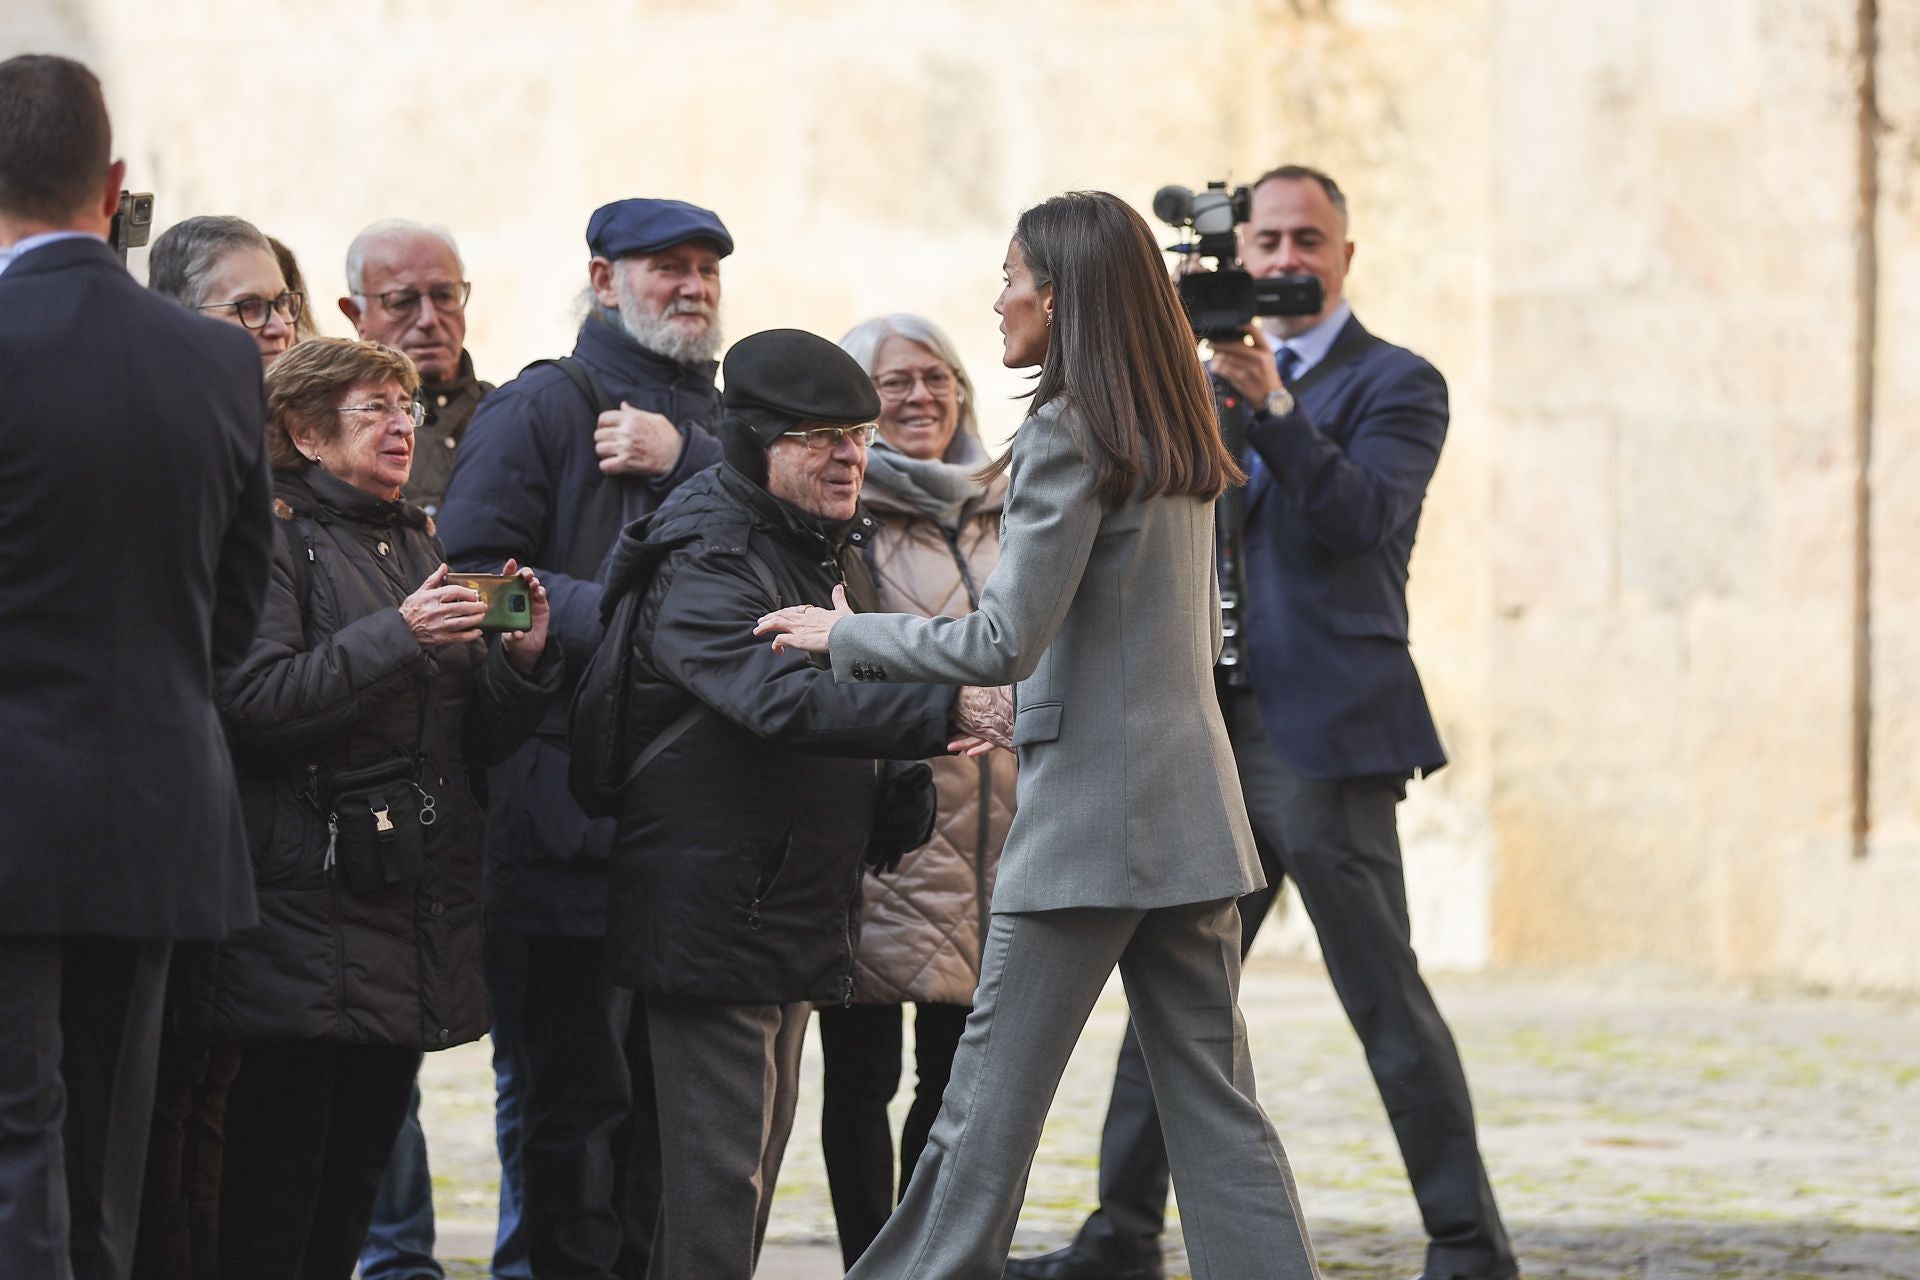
column 660, row 335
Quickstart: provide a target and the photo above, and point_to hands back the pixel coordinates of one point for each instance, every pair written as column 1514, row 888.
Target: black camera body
column 1222, row 300
column 132, row 222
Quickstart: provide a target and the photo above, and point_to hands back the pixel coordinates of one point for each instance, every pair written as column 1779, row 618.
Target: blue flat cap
column 648, row 226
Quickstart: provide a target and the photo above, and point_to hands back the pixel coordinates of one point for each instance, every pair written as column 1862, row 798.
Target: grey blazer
column 1108, row 620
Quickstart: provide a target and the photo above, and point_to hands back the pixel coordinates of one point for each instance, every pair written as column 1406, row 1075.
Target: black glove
column 905, row 805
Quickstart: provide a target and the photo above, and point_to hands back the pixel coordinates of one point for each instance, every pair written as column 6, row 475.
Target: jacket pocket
column 1037, row 723
column 772, row 863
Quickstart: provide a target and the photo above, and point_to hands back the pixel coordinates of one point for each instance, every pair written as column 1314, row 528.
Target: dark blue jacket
column 1331, row 518
column 135, row 539
column 524, row 475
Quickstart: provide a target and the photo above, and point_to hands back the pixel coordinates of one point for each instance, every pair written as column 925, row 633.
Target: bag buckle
column 381, row 822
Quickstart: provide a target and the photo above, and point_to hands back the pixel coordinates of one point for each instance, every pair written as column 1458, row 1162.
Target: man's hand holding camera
column 634, row 442
column 1248, row 365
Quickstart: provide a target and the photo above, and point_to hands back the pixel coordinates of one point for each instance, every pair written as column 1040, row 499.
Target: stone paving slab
column 1633, row 1131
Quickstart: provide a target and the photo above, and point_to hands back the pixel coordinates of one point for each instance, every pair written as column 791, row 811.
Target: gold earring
column 1049, row 319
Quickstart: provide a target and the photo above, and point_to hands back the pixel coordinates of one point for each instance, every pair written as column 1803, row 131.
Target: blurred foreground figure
column 134, row 517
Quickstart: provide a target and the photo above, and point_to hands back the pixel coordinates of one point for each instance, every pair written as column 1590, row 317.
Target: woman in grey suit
column 1131, row 843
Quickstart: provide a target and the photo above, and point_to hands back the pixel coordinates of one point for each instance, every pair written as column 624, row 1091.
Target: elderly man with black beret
column 549, row 469
column 748, row 784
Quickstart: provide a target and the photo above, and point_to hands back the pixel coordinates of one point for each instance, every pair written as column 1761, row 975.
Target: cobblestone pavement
column 1631, row 1132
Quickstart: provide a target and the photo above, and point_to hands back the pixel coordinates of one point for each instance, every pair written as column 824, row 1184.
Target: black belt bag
column 377, row 815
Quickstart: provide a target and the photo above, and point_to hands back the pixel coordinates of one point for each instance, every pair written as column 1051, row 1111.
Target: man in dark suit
column 135, row 537
column 1328, row 723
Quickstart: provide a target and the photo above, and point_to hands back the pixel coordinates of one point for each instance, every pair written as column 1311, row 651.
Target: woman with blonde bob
column 1131, row 845
column 368, row 694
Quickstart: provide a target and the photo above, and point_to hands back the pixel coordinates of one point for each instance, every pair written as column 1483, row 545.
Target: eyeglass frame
column 295, row 301
column 416, row 411
column 806, row 438
column 396, row 313
column 915, row 378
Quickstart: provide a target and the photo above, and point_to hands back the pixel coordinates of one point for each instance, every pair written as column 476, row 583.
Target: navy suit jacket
column 1330, row 524
column 135, row 538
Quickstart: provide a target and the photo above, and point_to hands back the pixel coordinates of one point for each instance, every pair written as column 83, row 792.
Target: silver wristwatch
column 1279, row 403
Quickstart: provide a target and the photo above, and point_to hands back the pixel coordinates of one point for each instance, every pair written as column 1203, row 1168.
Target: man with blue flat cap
column 552, row 466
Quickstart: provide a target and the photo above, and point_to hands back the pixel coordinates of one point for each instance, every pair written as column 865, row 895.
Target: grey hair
column 388, row 228
column 186, row 253
column 862, row 342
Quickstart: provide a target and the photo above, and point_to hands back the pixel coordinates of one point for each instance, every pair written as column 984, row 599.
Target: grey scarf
column 937, row 489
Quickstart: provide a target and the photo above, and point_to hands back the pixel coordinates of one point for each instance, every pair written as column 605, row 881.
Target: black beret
column 648, row 226
column 789, row 376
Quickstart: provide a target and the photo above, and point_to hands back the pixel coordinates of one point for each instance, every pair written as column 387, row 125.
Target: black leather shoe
column 1074, row 1263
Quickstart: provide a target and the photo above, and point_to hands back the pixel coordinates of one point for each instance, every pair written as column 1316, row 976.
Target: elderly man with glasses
column 406, row 287
column 751, row 792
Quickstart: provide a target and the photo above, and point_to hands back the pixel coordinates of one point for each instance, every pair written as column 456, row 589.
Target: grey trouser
column 726, row 1078
column 1042, row 973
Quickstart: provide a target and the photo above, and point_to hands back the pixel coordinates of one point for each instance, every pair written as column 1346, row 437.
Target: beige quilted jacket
column 924, row 922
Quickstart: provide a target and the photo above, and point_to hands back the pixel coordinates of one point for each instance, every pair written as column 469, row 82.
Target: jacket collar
column 327, row 498
column 62, row 254
column 462, row 383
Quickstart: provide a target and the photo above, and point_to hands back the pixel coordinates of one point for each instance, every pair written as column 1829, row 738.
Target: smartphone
column 509, row 603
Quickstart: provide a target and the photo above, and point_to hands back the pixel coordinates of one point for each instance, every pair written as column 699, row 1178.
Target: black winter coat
column 523, row 476
column 334, row 679
column 737, row 866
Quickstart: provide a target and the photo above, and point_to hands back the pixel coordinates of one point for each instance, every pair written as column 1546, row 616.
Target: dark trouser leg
column 372, row 1089
column 277, row 1118
column 400, row 1235
column 310, row 1125
column 112, row 997
column 505, row 960
column 728, row 1073
column 577, row 1094
column 1342, row 849
column 164, row 1250
column 636, row 1174
column 180, row 1203
column 937, row 1029
column 77, row 1070
column 860, row 1072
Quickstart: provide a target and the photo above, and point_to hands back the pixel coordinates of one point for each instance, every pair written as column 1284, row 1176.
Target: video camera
column 132, row 222
column 1220, row 301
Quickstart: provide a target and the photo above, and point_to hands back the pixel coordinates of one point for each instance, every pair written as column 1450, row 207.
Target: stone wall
column 1627, row 232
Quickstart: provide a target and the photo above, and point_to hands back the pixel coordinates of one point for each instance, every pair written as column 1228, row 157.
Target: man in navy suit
column 135, row 539
column 1328, row 723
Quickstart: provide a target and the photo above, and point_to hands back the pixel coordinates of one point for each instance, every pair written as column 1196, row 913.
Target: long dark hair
column 1121, row 352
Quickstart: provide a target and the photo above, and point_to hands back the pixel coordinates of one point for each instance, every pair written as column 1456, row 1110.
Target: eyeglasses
column 448, row 299
column 898, row 386
column 818, row 438
column 253, row 311
column 413, row 411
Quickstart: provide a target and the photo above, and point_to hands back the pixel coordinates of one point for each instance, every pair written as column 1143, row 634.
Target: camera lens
column 517, row 603
column 143, row 209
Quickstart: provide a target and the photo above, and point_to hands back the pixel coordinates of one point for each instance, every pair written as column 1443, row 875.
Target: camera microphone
column 1173, row 204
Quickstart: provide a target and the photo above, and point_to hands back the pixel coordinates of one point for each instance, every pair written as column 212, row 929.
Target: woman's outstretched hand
column 804, row 627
